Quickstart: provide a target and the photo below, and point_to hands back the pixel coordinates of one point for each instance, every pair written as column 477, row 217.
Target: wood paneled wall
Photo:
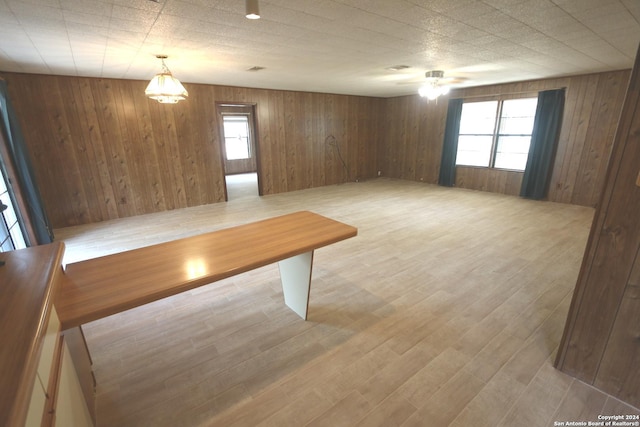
column 415, row 128
column 102, row 150
column 601, row 342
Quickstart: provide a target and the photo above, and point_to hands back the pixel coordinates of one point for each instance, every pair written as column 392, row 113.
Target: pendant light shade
column 165, row 88
column 253, row 10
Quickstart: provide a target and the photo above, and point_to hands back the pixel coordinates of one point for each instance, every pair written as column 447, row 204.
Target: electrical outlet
column 379, row 173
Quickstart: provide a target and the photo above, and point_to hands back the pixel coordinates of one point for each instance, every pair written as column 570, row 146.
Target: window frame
column 15, row 232
column 233, row 117
column 496, row 128
column 12, row 230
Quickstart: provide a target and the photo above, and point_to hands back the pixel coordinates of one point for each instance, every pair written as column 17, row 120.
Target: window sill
column 488, row 168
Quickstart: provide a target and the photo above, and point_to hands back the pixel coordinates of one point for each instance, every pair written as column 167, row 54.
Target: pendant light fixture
column 165, row 88
column 253, row 10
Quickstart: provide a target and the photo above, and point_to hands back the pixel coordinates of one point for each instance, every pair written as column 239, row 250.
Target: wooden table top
column 27, row 283
column 111, row 284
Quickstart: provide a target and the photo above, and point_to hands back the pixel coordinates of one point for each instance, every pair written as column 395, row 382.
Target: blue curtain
column 544, row 139
column 26, row 180
column 447, row 176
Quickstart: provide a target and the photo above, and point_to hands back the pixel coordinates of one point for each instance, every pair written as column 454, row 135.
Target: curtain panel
column 19, row 156
column 544, row 139
column 447, row 177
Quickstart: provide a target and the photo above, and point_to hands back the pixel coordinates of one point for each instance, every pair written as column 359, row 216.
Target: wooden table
column 111, row 284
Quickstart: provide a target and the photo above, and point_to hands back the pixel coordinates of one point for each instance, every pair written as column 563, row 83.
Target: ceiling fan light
column 432, row 90
column 253, row 9
column 424, row 91
column 165, row 88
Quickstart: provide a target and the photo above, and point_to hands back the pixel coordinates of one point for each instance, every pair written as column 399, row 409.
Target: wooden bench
column 111, row 284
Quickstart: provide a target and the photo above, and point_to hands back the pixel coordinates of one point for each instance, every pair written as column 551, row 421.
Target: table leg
column 295, row 274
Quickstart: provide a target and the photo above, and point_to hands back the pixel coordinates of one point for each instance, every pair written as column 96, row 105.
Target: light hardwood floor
column 446, row 310
column 241, row 185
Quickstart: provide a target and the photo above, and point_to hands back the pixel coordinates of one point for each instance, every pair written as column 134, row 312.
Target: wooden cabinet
column 71, row 409
column 40, row 385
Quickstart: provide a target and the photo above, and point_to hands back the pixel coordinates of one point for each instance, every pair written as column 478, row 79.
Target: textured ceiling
column 333, row 46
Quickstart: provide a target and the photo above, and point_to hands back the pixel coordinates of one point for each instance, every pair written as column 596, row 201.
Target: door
column 239, row 145
column 240, row 156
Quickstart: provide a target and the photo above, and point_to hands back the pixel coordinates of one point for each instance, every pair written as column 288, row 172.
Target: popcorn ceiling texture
column 342, row 47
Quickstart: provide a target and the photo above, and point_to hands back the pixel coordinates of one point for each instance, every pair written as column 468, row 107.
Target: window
column 496, row 134
column 11, row 236
column 236, row 137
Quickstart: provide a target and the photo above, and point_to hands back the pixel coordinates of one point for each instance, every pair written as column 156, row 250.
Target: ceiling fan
column 435, row 85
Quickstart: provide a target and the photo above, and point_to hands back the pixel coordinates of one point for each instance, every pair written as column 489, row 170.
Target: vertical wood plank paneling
column 612, row 96
column 592, row 106
column 65, row 151
column 560, row 190
column 135, row 153
column 619, row 373
column 401, row 144
column 280, row 148
column 330, row 141
column 310, row 141
column 116, row 160
column 292, row 136
column 592, row 141
column 102, row 150
column 431, row 131
column 93, row 140
column 87, row 153
column 577, row 135
column 127, row 155
column 148, row 156
column 265, row 140
column 352, row 137
column 345, row 131
column 46, row 135
column 336, row 167
column 600, row 342
column 370, row 125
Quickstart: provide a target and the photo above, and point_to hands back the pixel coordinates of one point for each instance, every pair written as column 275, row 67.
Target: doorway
column 238, row 132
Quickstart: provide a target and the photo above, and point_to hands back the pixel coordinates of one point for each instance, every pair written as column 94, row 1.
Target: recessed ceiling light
column 253, row 9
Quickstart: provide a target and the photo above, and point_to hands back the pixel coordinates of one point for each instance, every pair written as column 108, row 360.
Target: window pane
column 512, row 152
column 474, row 150
column 477, row 124
column 478, row 117
column 11, row 236
column 514, row 138
column 517, row 116
column 236, row 137
column 516, row 125
column 513, row 161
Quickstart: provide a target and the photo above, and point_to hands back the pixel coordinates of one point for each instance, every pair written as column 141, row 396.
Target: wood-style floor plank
column 446, row 309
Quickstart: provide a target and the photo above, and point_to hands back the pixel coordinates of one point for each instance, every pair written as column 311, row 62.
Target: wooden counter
column 107, row 285
column 27, row 286
column 39, row 382
column 38, row 299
